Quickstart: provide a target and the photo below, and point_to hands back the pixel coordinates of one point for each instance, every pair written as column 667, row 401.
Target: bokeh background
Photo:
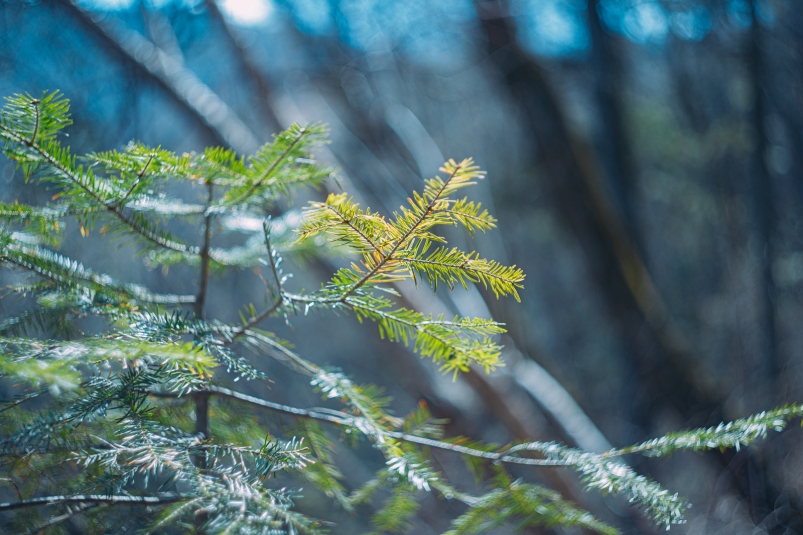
column 644, row 159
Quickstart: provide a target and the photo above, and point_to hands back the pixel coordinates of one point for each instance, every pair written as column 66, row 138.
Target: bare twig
column 56, row 520
column 159, row 499
column 346, row 420
column 280, row 295
column 204, row 282
column 20, row 400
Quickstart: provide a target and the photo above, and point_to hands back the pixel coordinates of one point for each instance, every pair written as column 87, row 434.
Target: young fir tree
column 108, row 431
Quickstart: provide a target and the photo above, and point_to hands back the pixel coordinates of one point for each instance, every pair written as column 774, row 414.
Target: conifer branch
column 402, row 240
column 63, row 271
column 19, row 400
column 725, row 435
column 272, row 167
column 85, row 181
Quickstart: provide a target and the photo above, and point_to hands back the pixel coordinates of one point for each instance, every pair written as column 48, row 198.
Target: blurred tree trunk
column 611, row 140
column 766, row 366
column 666, row 368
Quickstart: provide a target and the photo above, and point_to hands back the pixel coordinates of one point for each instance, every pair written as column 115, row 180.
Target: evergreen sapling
column 110, row 427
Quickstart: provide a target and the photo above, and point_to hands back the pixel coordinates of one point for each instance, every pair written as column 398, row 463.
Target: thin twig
column 20, row 400
column 35, row 103
column 55, row 520
column 239, row 331
column 204, row 283
column 345, row 420
column 93, row 498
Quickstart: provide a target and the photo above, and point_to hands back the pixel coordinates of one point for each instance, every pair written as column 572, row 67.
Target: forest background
column 644, row 159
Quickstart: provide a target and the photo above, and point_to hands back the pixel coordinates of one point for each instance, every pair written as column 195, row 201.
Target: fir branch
column 69, row 273
column 397, row 513
column 54, row 362
column 289, row 147
column 349, row 225
column 453, row 265
column 36, row 118
column 53, row 318
column 19, row 400
column 607, row 475
column 725, row 435
column 407, row 226
column 392, row 251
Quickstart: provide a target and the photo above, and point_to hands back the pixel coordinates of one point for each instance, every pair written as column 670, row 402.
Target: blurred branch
column 761, row 188
column 170, row 72
column 614, row 262
column 249, row 66
column 613, row 144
